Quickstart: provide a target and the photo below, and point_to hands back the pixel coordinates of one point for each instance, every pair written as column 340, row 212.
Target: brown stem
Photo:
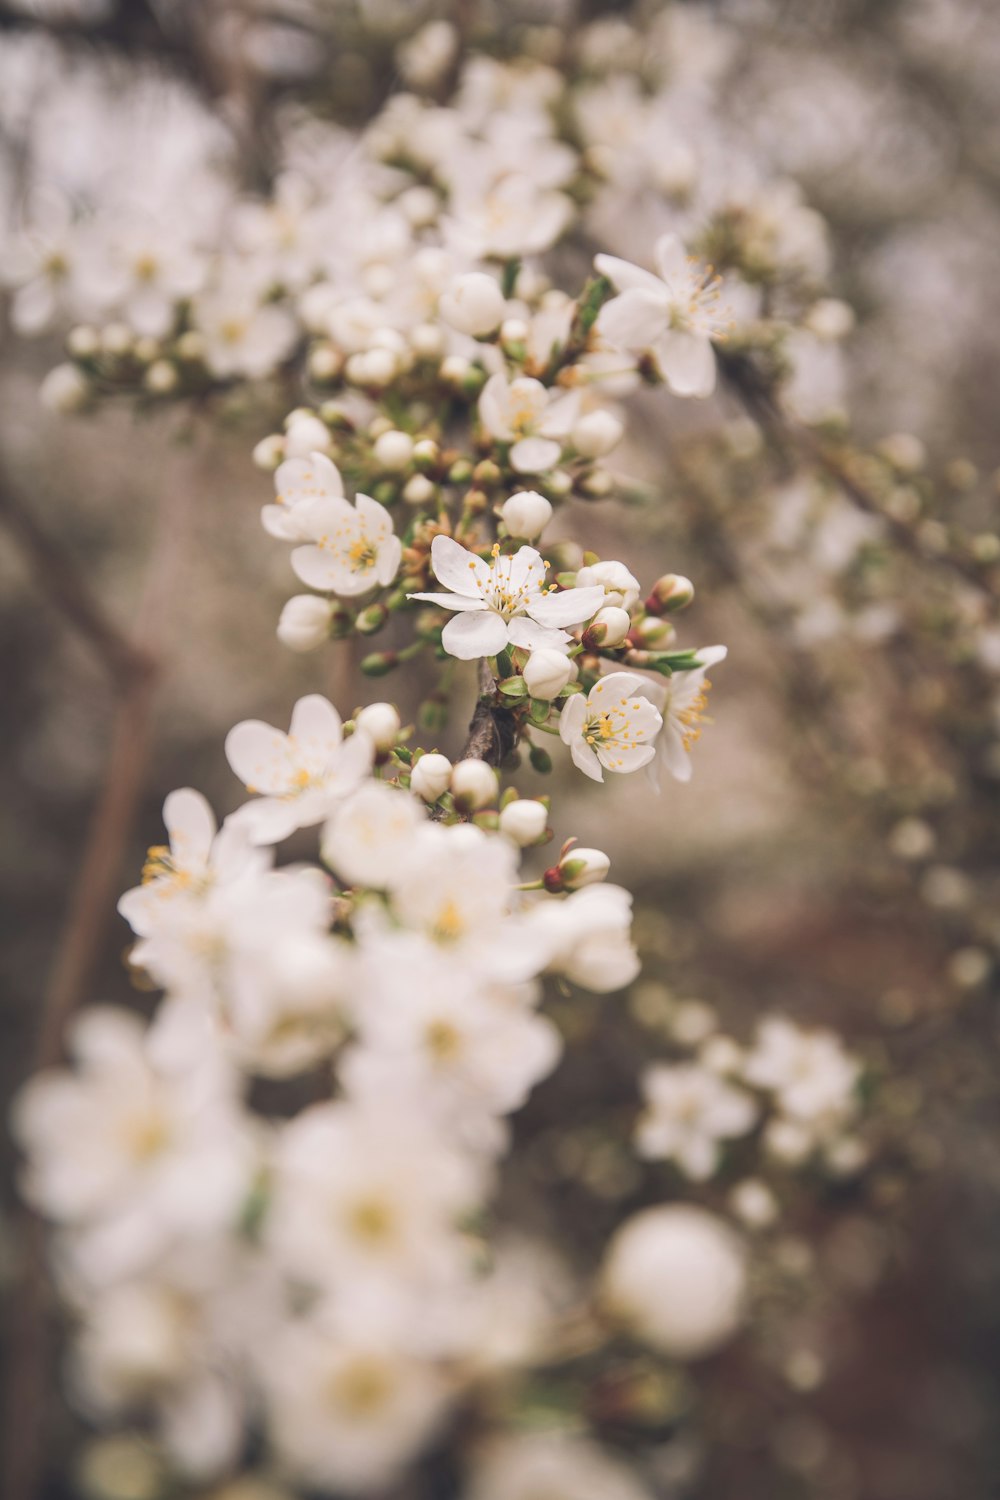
column 493, row 730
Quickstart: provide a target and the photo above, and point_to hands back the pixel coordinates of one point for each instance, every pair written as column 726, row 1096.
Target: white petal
column 258, row 754
column 635, row 320
column 378, row 522
column 687, row 361
column 322, row 569
column 571, row 719
column 533, row 454
column 622, row 758
column 561, row 415
column 494, row 402
column 449, row 601
column 266, row 821
column 615, row 685
column 671, row 258
column 482, row 633
column 315, row 721
column 626, row 277
column 585, row 759
column 459, row 569
column 569, row 607
column 191, row 825
column 390, row 555
column 307, row 478
column 531, row 637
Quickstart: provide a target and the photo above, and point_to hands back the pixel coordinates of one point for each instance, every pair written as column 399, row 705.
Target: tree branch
column 493, row 731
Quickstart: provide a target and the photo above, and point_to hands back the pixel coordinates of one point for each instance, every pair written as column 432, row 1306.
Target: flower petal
column 321, row 568
column 585, row 759
column 315, row 723
column 626, row 277
column 448, row 601
column 459, row 569
column 687, row 361
column 531, row 637
column 259, row 755
column 390, row 555
column 671, row 258
column 494, row 407
column 572, row 718
column 533, row 454
column 635, row 320
column 482, row 633
column 191, row 825
column 569, row 607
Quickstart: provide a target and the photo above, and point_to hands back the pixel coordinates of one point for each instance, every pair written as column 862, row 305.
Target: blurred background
column 835, row 856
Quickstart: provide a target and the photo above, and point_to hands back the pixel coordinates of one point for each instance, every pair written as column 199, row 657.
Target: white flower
column 503, row 602
column 809, row 1071
column 368, row 1192
column 553, row 1465
column 676, row 1277
column 531, row 417
column 135, row 1152
column 347, row 1409
column 513, row 217
column 688, row 1111
column 370, row 835
column 596, row 433
column 242, row 335
column 610, row 728
column 621, row 588
column 296, row 482
column 674, row 315
column 353, row 548
column 381, row 722
column 305, row 434
column 589, row 937
column 682, row 699
column 302, row 775
column 610, row 625
column 304, row 623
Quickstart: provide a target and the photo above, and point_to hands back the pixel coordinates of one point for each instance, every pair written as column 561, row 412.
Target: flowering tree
column 327, row 1287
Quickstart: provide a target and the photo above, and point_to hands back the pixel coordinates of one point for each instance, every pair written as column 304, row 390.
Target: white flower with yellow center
column 302, row 775
column 612, row 728
column 684, row 700
column 504, row 602
column 353, row 547
column 298, row 482
column 535, row 420
column 674, row 316
column 688, row 1112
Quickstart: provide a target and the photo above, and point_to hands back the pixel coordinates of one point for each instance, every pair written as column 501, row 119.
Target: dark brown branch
column 493, row 728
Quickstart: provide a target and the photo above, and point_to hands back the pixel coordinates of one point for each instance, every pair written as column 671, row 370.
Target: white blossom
column 611, row 728
column 689, row 1112
column 531, row 417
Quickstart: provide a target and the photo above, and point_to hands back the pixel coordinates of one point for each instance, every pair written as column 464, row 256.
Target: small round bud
column 546, row 673
column 117, row 340
column 830, row 319
column 146, row 349
column 161, row 379
column 430, row 777
column 474, row 304
column 191, row 347
column 269, row 452
column 526, row 514
column 381, row 723
column 524, row 821
column 596, row 433
column 426, row 453
column 474, row 785
column 513, row 333
column 325, row 362
column 371, row 619
column 671, row 592
column 419, row 205
column 65, row 389
column 305, row 435
column 577, row 868
column 305, row 622
column 676, row 1277
column 82, row 342
column 419, row 490
column 427, row 341
column 559, row 483
column 609, row 627
column 654, row 633
column 393, row 451
column 456, row 370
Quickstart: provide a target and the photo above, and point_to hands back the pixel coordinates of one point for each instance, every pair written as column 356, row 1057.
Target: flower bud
column 514, row 333
column 393, row 451
column 419, row 490
column 117, row 340
column 474, row 785
column 161, row 379
column 306, row 434
column 653, row 632
column 325, row 362
column 671, row 592
column 526, row 514
column 430, row 777
column 609, row 627
column 577, row 868
column 618, row 583
column 82, row 342
column 596, row 433
column 427, row 341
column 305, row 622
column 426, row 453
column 546, row 673
column 65, row 390
column 524, row 821
column 371, row 619
column 474, row 305
column 381, row 723
column 269, row 452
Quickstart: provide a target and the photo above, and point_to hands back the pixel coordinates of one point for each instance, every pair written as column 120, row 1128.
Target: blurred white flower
column 689, row 1112
column 531, row 417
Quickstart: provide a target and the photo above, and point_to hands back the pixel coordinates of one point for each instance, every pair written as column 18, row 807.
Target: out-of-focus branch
column 791, row 439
